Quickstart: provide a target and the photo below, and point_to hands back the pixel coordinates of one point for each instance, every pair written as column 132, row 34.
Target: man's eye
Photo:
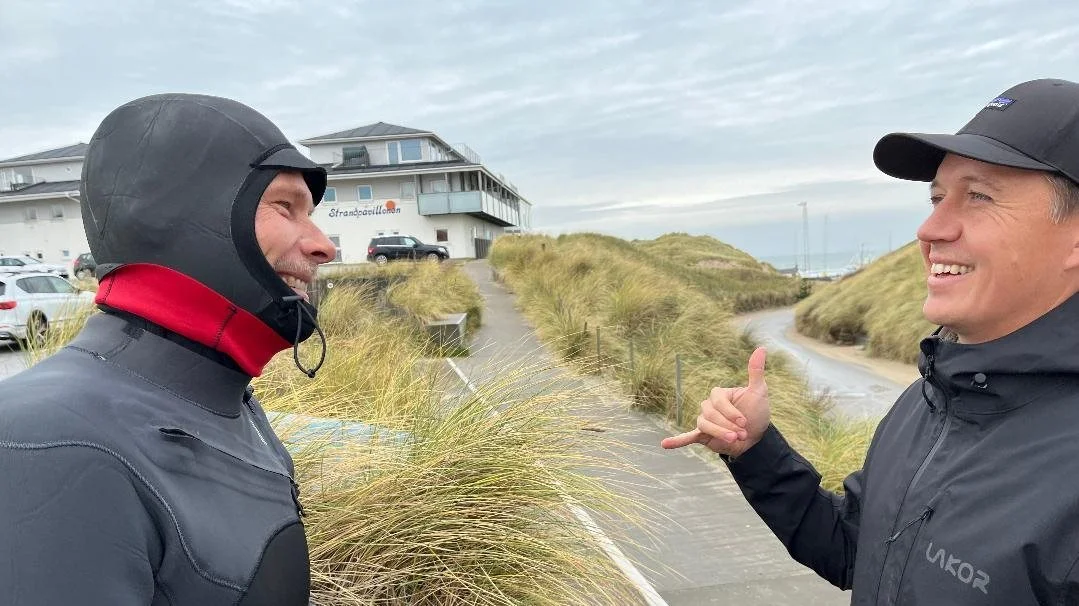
column 285, row 205
column 935, row 199
column 980, row 196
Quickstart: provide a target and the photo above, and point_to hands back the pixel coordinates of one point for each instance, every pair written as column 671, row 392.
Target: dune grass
column 705, row 264
column 447, row 496
column 881, row 305
column 590, row 283
column 423, row 290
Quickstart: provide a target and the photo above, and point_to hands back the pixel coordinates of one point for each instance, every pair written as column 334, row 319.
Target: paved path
column 858, row 391
column 707, row 546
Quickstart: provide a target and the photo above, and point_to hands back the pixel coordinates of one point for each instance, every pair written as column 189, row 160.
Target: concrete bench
column 448, row 331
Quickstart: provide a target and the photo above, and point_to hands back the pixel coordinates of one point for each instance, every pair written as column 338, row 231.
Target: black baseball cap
column 1033, row 125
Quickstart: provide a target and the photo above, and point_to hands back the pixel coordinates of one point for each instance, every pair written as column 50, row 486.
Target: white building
column 383, row 179
column 386, row 179
column 39, row 205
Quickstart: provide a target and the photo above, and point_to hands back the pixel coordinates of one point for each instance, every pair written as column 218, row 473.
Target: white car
column 27, row 263
column 32, row 302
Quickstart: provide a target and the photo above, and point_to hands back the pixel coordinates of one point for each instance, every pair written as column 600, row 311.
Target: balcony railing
column 445, row 203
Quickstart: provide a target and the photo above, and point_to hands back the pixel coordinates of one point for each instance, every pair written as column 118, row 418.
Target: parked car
column 28, row 263
column 383, row 249
column 31, row 303
column 84, row 266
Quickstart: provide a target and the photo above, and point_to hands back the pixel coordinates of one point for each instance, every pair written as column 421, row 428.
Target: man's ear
column 1071, row 262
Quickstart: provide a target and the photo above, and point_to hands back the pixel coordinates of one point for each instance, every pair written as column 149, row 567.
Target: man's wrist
column 765, row 446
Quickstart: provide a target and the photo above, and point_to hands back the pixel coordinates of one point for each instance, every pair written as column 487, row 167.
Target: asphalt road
column 857, row 390
column 12, row 359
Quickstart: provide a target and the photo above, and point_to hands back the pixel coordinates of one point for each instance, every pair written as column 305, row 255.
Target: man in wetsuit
column 136, row 466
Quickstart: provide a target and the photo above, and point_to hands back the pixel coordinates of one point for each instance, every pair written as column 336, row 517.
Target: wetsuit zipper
column 294, row 487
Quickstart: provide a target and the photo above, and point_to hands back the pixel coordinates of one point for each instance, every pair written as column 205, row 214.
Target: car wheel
column 381, row 259
column 434, row 257
column 37, row 329
column 83, row 274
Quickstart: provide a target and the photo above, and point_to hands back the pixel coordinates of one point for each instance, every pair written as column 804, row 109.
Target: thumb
column 756, row 369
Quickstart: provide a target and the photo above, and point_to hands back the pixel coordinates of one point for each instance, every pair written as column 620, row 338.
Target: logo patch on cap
column 1000, row 103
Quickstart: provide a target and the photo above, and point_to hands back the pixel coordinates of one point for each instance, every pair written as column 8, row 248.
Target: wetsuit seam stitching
column 161, row 387
column 224, row 323
column 288, row 522
column 153, row 490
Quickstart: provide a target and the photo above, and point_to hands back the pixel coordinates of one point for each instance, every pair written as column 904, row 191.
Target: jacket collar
column 167, row 365
column 1009, row 372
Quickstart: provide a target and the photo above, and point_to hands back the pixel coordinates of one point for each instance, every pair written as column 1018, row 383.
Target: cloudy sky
column 625, row 117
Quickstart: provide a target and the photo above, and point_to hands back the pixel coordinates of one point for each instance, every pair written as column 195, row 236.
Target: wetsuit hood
column 174, row 180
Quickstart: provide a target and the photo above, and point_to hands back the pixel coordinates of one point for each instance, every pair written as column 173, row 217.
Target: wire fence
column 600, row 362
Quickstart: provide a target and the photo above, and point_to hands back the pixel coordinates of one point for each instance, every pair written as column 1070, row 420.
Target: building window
column 57, row 211
column 330, row 195
column 337, row 248
column 442, row 235
column 408, row 189
column 404, row 151
column 23, row 175
column 410, row 151
column 31, row 213
column 365, row 192
column 352, row 157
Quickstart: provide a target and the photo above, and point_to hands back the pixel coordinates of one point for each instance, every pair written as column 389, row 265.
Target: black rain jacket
column 969, row 493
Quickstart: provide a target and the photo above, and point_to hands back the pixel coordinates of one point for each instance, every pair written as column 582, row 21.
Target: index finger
column 682, row 439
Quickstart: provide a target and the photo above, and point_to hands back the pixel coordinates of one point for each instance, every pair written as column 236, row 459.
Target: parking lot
column 12, row 359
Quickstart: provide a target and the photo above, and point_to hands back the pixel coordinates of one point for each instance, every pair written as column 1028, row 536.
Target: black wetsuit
column 136, row 467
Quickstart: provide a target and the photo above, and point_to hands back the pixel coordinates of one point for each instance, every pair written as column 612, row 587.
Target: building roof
column 378, row 129
column 386, row 168
column 44, row 187
column 77, row 150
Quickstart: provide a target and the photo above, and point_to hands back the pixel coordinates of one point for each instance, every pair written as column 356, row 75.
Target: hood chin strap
column 300, row 310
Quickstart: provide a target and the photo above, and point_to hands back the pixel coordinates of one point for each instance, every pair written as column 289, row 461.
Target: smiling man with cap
column 137, row 466
column 966, row 494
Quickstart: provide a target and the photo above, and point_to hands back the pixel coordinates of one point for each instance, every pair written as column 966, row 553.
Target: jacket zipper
column 918, row 474
column 913, row 543
column 294, row 487
column 925, row 516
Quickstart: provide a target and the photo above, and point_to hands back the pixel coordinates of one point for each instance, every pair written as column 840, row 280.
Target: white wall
column 377, row 151
column 61, row 171
column 384, row 188
column 46, row 235
column 64, row 171
column 323, row 154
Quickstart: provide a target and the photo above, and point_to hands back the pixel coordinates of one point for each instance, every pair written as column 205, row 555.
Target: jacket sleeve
column 73, row 529
column 819, row 528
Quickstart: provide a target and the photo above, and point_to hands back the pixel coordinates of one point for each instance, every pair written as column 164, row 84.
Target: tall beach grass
column 417, row 492
column 573, row 287
column 880, row 306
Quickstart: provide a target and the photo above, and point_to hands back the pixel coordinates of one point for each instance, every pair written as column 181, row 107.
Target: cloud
column 306, row 76
column 614, row 115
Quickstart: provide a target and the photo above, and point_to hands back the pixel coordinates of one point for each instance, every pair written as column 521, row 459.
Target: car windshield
column 28, row 260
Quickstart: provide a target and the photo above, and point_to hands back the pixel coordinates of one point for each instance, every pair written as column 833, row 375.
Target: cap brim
column 916, row 156
column 291, row 159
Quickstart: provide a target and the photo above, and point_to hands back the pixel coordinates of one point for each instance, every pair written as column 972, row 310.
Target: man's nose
column 317, row 245
column 942, row 224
